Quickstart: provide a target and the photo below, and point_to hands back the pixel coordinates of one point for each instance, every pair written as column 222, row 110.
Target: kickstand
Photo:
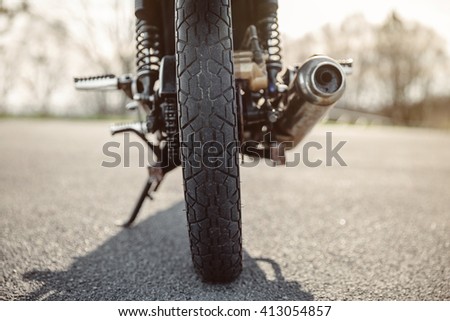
column 156, row 175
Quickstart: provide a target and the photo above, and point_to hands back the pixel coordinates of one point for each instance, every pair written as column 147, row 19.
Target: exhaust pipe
column 317, row 86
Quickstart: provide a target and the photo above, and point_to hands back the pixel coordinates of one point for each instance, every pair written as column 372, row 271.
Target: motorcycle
column 213, row 88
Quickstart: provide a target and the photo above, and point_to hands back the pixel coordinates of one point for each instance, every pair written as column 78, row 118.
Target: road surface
column 376, row 229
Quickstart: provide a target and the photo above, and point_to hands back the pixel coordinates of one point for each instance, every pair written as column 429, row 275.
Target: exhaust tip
column 321, row 80
column 327, row 79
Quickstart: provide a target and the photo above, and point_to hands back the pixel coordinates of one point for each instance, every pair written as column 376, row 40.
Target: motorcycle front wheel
column 209, row 136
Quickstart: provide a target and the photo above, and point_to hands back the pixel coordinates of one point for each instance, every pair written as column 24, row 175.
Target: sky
column 298, row 17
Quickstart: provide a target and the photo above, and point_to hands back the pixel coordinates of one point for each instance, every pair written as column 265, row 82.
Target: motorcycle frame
column 275, row 110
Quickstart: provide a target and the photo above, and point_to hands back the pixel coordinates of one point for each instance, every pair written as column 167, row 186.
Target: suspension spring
column 148, row 54
column 270, row 36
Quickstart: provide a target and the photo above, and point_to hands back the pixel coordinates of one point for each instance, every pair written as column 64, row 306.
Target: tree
column 42, row 46
column 9, row 13
column 106, row 45
column 398, row 65
column 353, row 38
column 408, row 56
column 41, row 73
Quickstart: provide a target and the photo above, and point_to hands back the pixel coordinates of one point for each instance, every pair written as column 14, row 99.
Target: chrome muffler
column 317, row 86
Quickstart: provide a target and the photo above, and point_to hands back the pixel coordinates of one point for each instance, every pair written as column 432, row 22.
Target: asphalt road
column 377, row 229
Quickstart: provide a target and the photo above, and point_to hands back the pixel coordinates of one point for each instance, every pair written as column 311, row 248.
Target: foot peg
column 347, row 65
column 139, row 127
column 105, row 82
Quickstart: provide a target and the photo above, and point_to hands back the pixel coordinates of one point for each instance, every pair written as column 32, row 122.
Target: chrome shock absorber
column 148, row 47
column 270, row 37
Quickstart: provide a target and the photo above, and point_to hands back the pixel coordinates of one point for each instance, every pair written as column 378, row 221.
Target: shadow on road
column 152, row 262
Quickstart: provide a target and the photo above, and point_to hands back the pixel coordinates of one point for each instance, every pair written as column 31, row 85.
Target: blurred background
column 400, row 51
column 377, row 229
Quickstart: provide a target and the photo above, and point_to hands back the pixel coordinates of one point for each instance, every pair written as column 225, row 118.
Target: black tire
column 208, row 119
